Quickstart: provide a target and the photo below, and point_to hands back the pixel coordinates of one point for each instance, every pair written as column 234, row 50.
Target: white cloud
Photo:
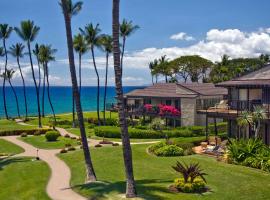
column 182, row 36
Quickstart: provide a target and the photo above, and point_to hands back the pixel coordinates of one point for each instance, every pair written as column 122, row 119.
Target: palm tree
column 126, row 29
column 244, row 121
column 127, row 153
column 28, row 32
column 107, row 45
column 8, row 75
column 80, row 47
column 2, row 54
column 5, row 31
column 17, row 51
column 259, row 114
column 93, row 39
column 36, row 52
column 45, row 55
column 69, row 10
column 163, row 67
column 151, row 67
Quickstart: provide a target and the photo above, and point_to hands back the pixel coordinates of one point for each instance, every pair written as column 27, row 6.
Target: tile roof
column 177, row 90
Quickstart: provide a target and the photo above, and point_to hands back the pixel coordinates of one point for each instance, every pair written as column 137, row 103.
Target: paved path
column 58, row 187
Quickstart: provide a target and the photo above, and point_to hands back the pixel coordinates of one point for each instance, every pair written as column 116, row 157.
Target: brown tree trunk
column 127, row 153
column 105, row 89
column 4, row 81
column 91, row 176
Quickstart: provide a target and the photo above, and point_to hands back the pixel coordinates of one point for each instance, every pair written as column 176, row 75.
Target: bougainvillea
column 163, row 109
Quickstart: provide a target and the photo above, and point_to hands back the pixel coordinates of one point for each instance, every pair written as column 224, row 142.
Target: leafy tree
column 127, row 153
column 17, row 51
column 45, row 55
column 162, row 67
column 5, row 31
column 69, row 9
column 107, row 46
column 126, row 30
column 28, row 33
column 93, row 39
column 8, row 75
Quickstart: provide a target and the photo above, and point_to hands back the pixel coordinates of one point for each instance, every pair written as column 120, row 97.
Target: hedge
column 19, row 132
column 192, row 131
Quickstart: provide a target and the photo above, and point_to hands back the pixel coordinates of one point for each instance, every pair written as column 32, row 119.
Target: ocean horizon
column 61, row 97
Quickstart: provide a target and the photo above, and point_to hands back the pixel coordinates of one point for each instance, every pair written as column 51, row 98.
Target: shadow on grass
column 146, row 189
column 8, row 161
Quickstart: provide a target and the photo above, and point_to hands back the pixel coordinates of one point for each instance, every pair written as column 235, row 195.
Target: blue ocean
column 61, row 99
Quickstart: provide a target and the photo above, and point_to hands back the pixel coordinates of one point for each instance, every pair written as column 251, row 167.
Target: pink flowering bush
column 167, row 109
column 148, row 107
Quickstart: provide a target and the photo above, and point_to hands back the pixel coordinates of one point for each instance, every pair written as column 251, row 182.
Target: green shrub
column 115, row 144
column 198, row 185
column 170, row 150
column 156, row 146
column 185, row 145
column 37, row 133
column 68, row 145
column 52, row 136
column 63, row 151
column 19, row 132
column 197, row 130
column 71, row 148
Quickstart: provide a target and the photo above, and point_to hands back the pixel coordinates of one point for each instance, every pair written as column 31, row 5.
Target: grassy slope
column 10, row 148
column 154, row 175
column 23, row 179
column 42, row 143
column 8, row 125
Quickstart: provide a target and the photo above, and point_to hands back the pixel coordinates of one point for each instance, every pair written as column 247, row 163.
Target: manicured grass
column 23, row 179
column 10, row 148
column 154, row 175
column 9, row 125
column 41, row 142
column 68, row 117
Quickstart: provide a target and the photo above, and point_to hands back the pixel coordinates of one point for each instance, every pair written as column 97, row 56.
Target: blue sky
column 209, row 28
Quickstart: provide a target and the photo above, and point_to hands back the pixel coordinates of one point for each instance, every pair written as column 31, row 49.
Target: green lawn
column 10, row 148
column 23, row 179
column 41, row 142
column 9, row 125
column 68, row 117
column 154, row 175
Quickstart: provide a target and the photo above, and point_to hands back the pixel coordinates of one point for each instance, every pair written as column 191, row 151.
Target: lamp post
column 37, row 155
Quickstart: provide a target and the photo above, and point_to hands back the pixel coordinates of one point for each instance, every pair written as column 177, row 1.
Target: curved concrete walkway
column 58, row 187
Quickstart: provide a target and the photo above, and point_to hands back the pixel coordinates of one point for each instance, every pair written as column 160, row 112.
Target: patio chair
column 223, row 104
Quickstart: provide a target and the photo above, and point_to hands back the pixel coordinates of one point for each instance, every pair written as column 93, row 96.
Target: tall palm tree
column 69, row 10
column 107, row 45
column 8, row 75
column 80, row 47
column 127, row 153
column 151, row 67
column 17, row 51
column 2, row 54
column 45, row 55
column 5, row 31
column 245, row 120
column 36, row 52
column 259, row 114
column 28, row 33
column 93, row 39
column 163, row 67
column 126, row 29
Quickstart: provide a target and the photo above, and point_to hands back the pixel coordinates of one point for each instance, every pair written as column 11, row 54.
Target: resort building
column 244, row 93
column 176, row 102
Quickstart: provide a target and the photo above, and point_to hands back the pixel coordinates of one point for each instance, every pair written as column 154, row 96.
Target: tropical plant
column 80, row 47
column 28, row 33
column 126, row 30
column 164, row 67
column 107, row 45
column 157, row 124
column 259, row 114
column 93, row 39
column 127, row 153
column 17, row 51
column 5, row 31
column 51, row 136
column 189, row 171
column 69, row 9
column 245, row 120
column 36, row 52
column 8, row 75
column 45, row 55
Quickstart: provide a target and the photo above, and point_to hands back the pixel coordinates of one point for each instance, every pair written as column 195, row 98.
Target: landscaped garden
column 154, row 175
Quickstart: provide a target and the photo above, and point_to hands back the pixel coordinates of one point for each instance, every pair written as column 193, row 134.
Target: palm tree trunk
column 16, row 98
column 98, row 87
column 35, row 82
column 166, row 78
column 73, row 111
column 105, row 89
column 39, row 76
column 43, row 94
column 91, row 176
column 122, row 54
column 80, row 73
column 4, row 81
column 24, row 90
column 48, row 93
column 127, row 153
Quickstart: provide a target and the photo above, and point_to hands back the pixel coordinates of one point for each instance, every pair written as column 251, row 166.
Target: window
column 168, row 102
